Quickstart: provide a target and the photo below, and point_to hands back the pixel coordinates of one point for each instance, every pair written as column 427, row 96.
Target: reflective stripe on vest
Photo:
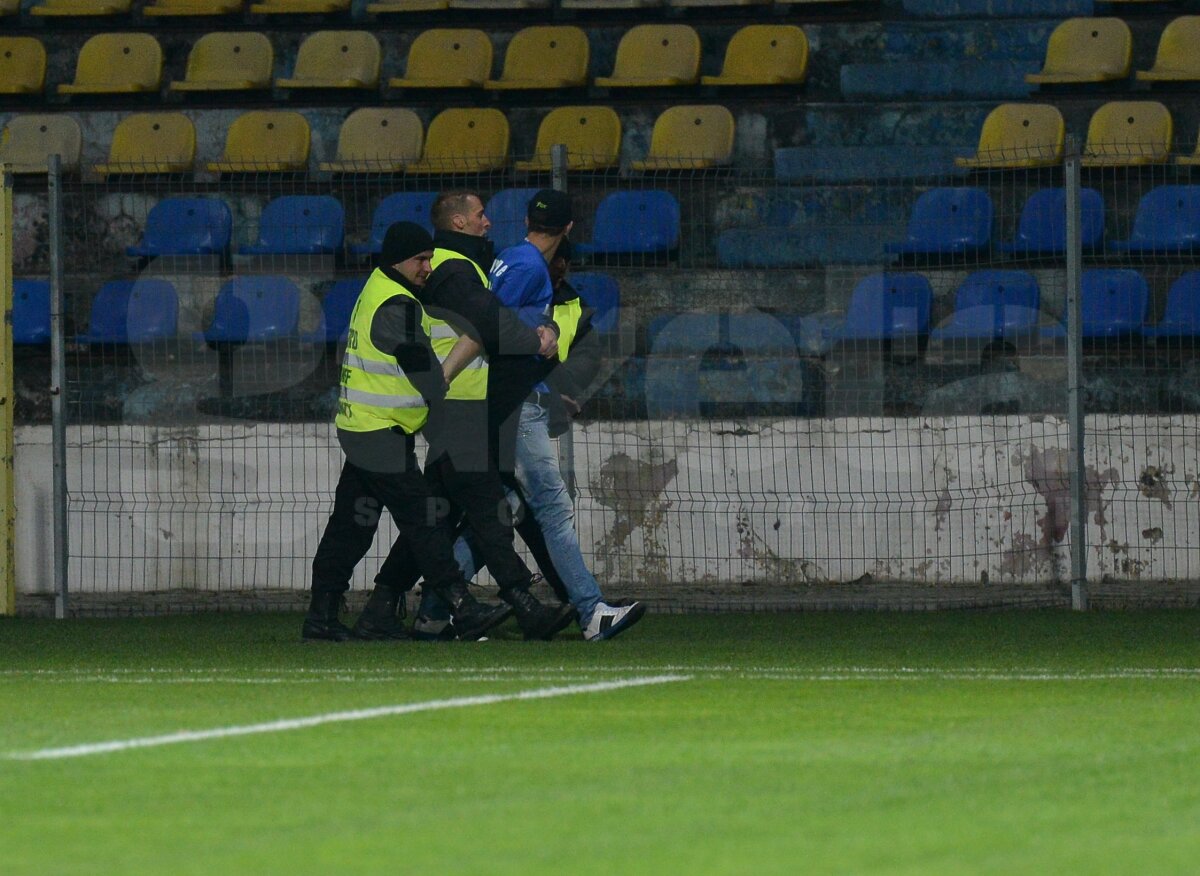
column 375, row 393
column 470, row 384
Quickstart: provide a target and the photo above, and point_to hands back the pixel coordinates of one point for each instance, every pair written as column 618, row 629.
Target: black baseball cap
column 550, row 208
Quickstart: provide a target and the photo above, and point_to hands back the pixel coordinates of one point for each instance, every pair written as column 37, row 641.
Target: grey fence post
column 566, row 441
column 58, row 384
column 1075, row 411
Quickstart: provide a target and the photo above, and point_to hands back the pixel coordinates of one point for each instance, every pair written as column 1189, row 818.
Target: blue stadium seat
column 255, row 308
column 1167, row 222
column 602, row 293
column 635, row 222
column 1042, row 228
column 887, row 306
column 31, row 312
column 506, row 209
column 336, row 307
column 1113, row 302
column 185, row 226
column 1181, row 317
column 300, row 225
column 947, row 221
column 153, row 311
column 400, row 207
column 992, row 304
column 110, row 309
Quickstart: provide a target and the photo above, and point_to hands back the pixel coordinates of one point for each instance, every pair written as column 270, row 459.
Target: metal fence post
column 566, row 441
column 58, row 384
column 1075, row 412
column 8, row 591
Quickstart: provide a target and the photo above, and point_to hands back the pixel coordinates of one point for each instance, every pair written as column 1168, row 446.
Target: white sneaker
column 608, row 621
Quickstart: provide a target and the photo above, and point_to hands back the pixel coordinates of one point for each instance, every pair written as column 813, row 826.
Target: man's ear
column 459, row 221
column 567, row 230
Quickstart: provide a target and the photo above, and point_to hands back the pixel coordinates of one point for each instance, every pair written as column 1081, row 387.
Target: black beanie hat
column 402, row 241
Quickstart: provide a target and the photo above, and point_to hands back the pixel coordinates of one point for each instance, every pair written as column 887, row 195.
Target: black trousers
column 424, row 545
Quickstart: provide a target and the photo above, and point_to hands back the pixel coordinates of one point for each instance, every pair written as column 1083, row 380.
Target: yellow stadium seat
column 544, row 57
column 764, row 54
column 22, row 65
column 299, row 7
column 151, row 143
column 26, row 141
column 377, row 141
column 1019, row 135
column 181, row 8
column 389, row 6
column 228, row 61
column 447, row 58
column 499, row 4
column 655, row 55
column 592, row 135
column 464, row 141
column 1086, row 50
column 1127, row 132
column 81, row 8
column 268, row 141
column 117, row 63
column 10, row 7
column 689, row 138
column 1178, row 59
column 336, row 59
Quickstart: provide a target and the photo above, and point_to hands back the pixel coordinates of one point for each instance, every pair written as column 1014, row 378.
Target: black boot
column 322, row 622
column 472, row 618
column 383, row 616
column 537, row 621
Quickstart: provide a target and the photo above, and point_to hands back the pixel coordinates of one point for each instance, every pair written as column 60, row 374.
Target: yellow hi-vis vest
column 375, row 392
column 471, row 383
column 566, row 316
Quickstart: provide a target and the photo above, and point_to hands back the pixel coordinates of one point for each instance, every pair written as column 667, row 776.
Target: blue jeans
column 546, row 495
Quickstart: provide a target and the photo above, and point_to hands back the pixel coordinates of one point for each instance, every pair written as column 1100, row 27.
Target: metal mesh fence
column 814, row 393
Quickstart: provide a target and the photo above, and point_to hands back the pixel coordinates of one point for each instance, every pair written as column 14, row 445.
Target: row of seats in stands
column 1088, row 50
column 247, row 309
column 1119, row 133
column 377, row 141
column 626, row 222
column 183, row 8
column 543, row 57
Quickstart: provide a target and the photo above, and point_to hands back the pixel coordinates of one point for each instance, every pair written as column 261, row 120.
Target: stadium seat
column 1113, row 302
column 1086, row 50
column 447, row 58
column 31, row 312
column 299, row 7
column 1019, row 135
column 544, row 57
column 197, row 8
column 22, row 65
column 764, row 54
column 117, row 63
column 153, row 313
column 655, row 55
column 992, row 305
column 1042, row 228
column 1128, row 132
column 400, row 207
column 634, row 222
column 81, row 8
column 299, row 225
column 255, row 309
column 10, row 7
column 602, row 293
column 377, row 141
column 1167, row 222
column 336, row 308
column 1177, row 59
column 1181, row 316
column 886, row 306
column 227, row 61
column 145, row 143
column 336, row 59
column 185, row 227
column 592, row 135
column 390, row 6
column 507, row 209
column 110, row 310
column 464, row 141
column 265, row 141
column 947, row 221
column 27, row 142
column 689, row 138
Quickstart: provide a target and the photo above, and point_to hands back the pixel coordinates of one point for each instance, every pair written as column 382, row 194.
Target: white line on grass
column 334, row 718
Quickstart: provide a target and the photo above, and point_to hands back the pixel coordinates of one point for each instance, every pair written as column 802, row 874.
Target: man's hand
column 549, row 339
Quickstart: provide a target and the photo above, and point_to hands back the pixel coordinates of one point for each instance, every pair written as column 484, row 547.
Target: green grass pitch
column 1005, row 742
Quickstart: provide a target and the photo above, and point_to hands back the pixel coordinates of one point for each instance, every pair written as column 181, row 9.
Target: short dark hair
column 447, row 205
column 546, row 229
